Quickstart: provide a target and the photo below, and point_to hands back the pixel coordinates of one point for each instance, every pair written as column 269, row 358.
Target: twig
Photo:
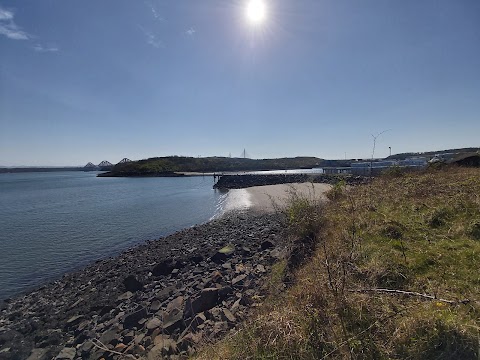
column 412, row 293
column 104, row 348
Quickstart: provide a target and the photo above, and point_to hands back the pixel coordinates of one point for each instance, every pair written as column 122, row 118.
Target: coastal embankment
column 159, row 299
column 250, row 180
column 164, row 298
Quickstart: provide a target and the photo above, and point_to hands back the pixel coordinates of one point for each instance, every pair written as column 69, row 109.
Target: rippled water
column 51, row 223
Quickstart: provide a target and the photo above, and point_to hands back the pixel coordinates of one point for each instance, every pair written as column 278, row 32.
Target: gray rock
column 147, row 341
column 277, row 254
column 164, row 267
column 267, row 244
column 131, row 320
column 260, row 268
column 176, row 303
column 155, row 305
column 228, row 316
column 128, row 337
column 173, row 321
column 108, row 337
column 138, row 339
column 125, row 296
column 153, row 323
column 218, row 258
column 66, row 353
column 239, row 280
column 161, row 339
column 38, row 354
column 196, row 259
column 86, row 347
column 132, row 284
column 74, row 320
column 223, row 254
column 199, row 319
column 224, row 292
column 165, row 293
column 246, row 251
column 166, row 347
column 214, row 314
column 188, row 340
column 235, row 305
column 48, row 338
column 207, row 299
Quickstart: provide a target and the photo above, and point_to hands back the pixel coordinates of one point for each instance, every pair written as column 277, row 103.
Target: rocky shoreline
column 250, row 180
column 162, row 299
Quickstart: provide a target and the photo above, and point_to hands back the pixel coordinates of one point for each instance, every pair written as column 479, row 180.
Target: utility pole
column 375, row 137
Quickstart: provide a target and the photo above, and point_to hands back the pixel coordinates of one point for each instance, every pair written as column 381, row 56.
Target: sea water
column 55, row 222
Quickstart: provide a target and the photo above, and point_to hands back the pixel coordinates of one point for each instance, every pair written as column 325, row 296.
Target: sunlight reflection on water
column 233, row 200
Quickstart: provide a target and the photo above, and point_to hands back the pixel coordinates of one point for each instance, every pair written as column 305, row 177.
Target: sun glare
column 256, row 11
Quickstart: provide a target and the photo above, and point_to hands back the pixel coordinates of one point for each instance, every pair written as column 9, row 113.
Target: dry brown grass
column 416, row 232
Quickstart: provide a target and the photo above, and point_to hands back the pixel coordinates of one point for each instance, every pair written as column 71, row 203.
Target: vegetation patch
column 393, row 274
column 474, row 229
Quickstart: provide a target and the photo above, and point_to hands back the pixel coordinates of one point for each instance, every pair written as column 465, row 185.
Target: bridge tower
column 124, row 160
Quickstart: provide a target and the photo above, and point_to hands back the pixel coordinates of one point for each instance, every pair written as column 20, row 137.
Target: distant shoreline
column 38, row 169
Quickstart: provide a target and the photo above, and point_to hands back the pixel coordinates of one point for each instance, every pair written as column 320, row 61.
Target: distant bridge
column 104, row 165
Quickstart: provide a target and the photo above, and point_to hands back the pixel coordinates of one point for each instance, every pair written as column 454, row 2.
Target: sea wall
column 249, row 180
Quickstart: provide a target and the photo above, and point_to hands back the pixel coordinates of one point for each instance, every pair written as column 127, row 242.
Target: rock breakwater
column 162, row 299
column 250, row 180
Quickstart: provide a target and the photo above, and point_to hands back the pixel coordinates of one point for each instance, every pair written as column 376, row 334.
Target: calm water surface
column 51, row 223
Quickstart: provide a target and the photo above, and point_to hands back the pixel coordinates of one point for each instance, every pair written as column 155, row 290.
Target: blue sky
column 92, row 80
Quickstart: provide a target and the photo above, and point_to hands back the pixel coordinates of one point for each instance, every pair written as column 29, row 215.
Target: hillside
column 392, row 274
column 165, row 165
column 403, row 156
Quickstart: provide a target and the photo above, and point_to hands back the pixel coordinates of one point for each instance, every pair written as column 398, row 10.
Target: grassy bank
column 394, row 274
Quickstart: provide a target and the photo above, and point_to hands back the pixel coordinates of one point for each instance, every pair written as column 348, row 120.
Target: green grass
column 416, row 232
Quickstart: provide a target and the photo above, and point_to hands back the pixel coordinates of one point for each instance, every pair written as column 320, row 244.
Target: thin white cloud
column 152, row 39
column 12, row 31
column 41, row 48
column 191, row 31
column 8, row 27
column 5, row 14
column 154, row 11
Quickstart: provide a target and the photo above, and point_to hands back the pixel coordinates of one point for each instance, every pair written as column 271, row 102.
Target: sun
column 256, row 12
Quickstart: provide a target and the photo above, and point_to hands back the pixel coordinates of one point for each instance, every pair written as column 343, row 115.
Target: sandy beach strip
column 266, row 198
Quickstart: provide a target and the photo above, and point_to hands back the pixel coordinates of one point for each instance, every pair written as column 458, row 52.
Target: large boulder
column 132, row 284
column 207, row 299
column 164, row 267
column 223, row 254
column 131, row 320
column 173, row 321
